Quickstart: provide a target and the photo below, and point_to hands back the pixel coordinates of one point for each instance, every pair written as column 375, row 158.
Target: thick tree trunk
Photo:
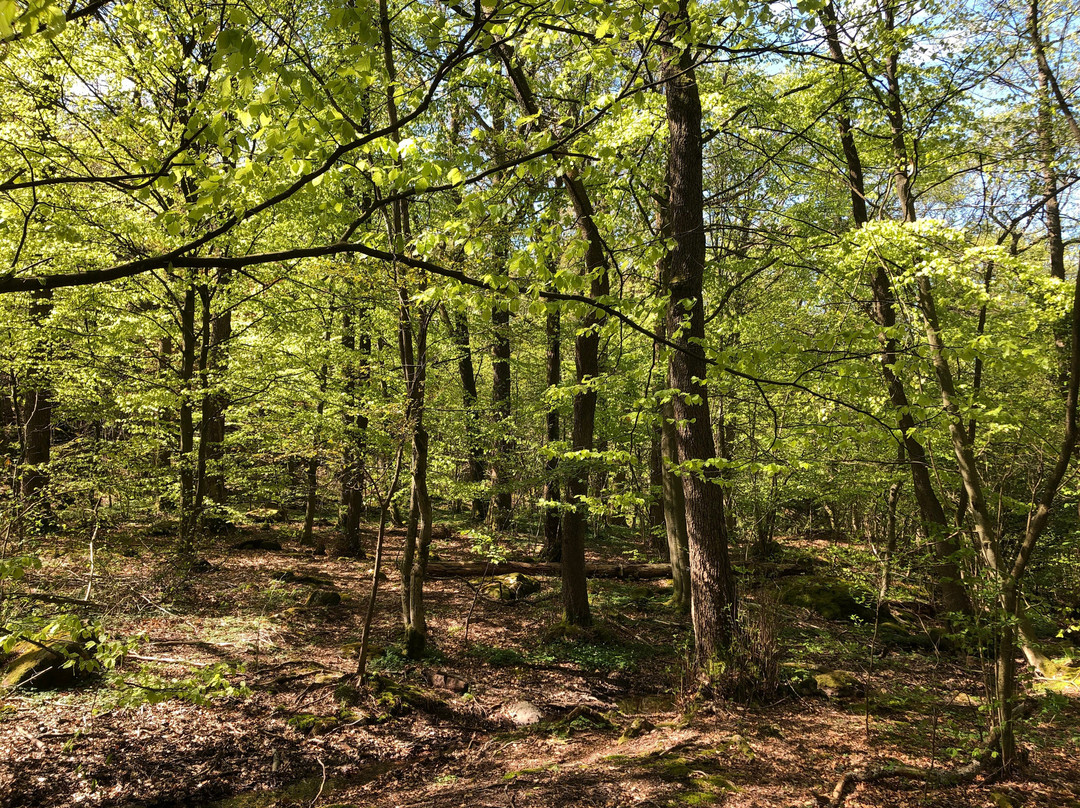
column 552, row 539
column 674, row 504
column 215, row 402
column 37, row 407
column 501, row 492
column 712, row 586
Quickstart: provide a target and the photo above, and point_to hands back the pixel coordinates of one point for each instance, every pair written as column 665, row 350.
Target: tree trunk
column 357, row 371
column 587, row 367
column 712, row 585
column 189, row 517
column 653, row 522
column 552, row 539
column 501, row 492
column 37, row 417
column 215, row 401
column 674, row 504
column 458, row 325
column 946, row 572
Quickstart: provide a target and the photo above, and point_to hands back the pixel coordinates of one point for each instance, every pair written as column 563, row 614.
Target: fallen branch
column 60, row 599
column 169, row 660
column 469, row 569
column 942, row 778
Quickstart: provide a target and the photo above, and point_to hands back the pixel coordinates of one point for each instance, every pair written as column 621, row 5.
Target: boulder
column 513, row 586
column 830, row 599
column 839, row 684
column 523, row 713
column 323, row 597
column 44, row 668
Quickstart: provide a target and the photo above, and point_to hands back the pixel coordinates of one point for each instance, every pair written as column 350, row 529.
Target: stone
column 839, row 684
column 523, row 713
column 639, row 726
column 513, row 586
column 323, row 597
column 294, row 577
column 447, row 681
column 832, row 600
column 43, row 668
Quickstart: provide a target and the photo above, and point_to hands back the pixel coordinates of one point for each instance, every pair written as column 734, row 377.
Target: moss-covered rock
column 839, row 684
column 48, row 668
column 323, row 597
column 832, row 600
column 513, row 586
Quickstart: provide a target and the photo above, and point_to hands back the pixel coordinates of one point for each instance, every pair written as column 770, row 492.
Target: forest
column 512, row 403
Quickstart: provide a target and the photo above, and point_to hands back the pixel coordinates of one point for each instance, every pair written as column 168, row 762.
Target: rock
column 200, row 566
column 43, row 668
column 523, row 713
column 640, row 726
column 266, row 515
column 447, row 681
column 513, row 586
column 258, row 544
column 839, row 684
column 294, row 577
column 323, row 597
column 830, row 599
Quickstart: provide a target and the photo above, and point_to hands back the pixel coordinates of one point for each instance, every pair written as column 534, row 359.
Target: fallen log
column 477, row 569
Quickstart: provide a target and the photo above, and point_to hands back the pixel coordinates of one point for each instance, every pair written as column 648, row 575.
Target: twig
column 169, row 660
column 60, row 599
column 321, row 785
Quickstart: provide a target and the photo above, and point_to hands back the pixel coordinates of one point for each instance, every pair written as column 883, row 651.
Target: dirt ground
column 282, row 724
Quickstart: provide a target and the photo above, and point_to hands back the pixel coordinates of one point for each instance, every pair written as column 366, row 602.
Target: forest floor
column 266, row 720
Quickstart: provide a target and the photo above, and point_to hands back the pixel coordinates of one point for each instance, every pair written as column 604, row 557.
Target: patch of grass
column 496, row 657
column 595, row 649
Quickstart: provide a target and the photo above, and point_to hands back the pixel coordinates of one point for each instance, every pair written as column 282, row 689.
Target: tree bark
column 215, row 401
column 674, row 503
column 357, row 371
column 552, row 537
column 476, row 469
column 37, row 408
column 712, row 585
column 946, row 572
column 587, row 367
column 501, row 493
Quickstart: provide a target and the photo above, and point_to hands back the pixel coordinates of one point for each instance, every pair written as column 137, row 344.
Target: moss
column 310, row 724
column 54, row 668
column 832, row 600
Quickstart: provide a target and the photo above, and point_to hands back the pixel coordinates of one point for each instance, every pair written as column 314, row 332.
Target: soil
column 271, row 715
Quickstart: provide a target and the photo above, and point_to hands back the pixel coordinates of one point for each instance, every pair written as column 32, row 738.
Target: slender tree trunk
column 712, row 585
column 552, row 538
column 502, row 494
column 457, row 323
column 357, row 372
column 189, row 516
column 587, row 369
column 653, row 522
column 946, row 571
